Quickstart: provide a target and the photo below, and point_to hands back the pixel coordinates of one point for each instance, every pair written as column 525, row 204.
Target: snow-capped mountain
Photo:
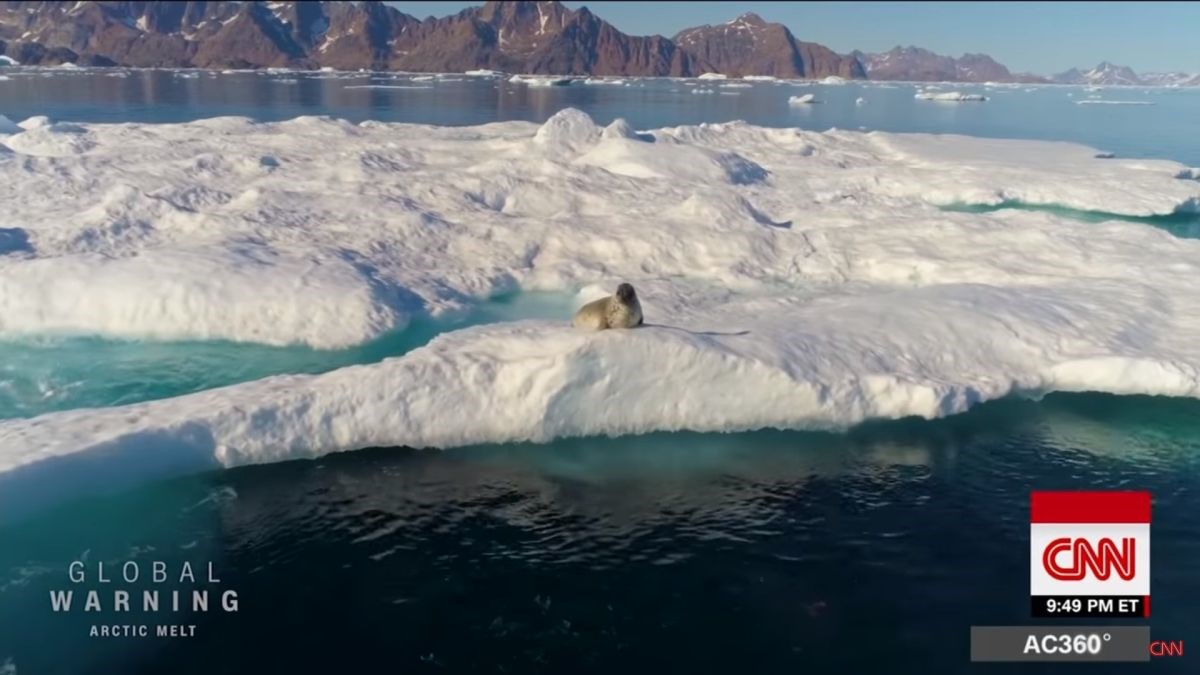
column 915, row 64
column 1171, row 79
column 749, row 45
column 1104, row 74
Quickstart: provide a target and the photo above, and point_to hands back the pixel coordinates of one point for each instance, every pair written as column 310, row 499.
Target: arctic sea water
column 865, row 551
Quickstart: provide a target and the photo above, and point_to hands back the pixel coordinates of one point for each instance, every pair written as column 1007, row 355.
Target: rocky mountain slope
column 522, row 37
column 914, row 64
column 748, row 45
column 532, row 37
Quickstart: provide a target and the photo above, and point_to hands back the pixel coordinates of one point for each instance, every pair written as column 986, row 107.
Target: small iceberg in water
column 953, row 96
column 541, row 81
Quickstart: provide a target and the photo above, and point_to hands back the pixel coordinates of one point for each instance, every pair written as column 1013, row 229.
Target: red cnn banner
column 1089, row 554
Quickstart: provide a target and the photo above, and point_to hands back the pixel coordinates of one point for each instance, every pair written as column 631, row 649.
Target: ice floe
column 802, row 100
column 952, row 96
column 540, row 80
column 790, row 279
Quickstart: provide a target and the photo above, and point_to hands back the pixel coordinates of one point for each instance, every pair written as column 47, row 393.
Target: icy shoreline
column 792, row 279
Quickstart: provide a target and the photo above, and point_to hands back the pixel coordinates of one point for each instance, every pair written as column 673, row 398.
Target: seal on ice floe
column 620, row 310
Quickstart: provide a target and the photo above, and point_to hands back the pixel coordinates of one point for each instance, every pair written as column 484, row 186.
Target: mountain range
column 517, row 37
column 520, row 37
column 1110, row 74
column 913, row 64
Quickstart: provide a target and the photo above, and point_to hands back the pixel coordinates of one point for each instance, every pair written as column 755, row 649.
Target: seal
column 620, row 310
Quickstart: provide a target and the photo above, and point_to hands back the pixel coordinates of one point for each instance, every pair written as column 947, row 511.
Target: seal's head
column 625, row 293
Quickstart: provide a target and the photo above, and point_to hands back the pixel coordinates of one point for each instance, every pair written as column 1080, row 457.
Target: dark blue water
column 865, row 552
column 1163, row 130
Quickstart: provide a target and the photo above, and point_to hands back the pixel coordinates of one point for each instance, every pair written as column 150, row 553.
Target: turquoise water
column 1184, row 225
column 42, row 374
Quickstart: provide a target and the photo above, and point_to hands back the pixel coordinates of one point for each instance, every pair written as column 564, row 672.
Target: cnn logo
column 1089, row 544
column 1166, row 648
column 1068, row 559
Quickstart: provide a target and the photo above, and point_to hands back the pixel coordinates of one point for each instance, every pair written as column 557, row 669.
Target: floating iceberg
column 804, row 99
column 833, row 79
column 759, row 78
column 712, row 76
column 8, row 61
column 541, row 81
column 483, row 73
column 948, row 96
column 790, row 279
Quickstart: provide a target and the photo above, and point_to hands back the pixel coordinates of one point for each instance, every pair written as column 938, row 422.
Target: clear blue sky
column 1039, row 37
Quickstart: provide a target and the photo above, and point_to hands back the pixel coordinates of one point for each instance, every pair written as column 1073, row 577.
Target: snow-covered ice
column 790, row 279
column 952, row 96
column 540, row 80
